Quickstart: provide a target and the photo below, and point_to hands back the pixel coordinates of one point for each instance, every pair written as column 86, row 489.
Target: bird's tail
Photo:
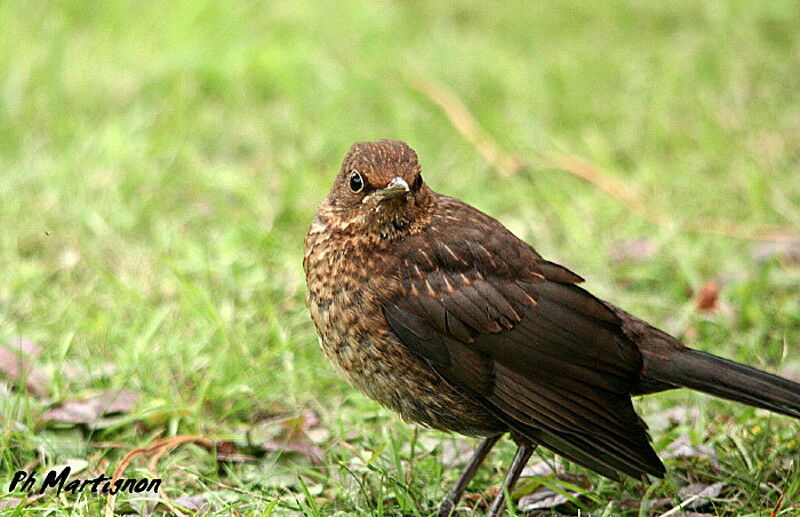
column 727, row 379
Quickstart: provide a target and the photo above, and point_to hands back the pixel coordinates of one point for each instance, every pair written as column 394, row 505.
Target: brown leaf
column 228, row 451
column 90, row 411
column 17, row 367
column 544, row 497
column 633, row 251
column 155, row 451
column 707, row 297
column 291, row 433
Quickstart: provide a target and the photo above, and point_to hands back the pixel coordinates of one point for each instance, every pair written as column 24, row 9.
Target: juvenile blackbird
column 437, row 311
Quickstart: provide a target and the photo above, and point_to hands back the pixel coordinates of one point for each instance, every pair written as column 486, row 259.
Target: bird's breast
column 348, row 285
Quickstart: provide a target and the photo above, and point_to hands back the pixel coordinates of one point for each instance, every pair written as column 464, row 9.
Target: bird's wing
column 544, row 355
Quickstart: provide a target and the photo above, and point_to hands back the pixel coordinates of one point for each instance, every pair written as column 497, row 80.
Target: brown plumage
column 437, row 311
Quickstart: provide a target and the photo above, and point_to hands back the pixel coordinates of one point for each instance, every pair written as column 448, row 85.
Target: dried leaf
column 26, row 346
column 80, row 371
column 90, row 411
column 683, row 448
column 11, row 502
column 674, row 416
column 707, row 297
column 17, row 502
column 229, row 452
column 17, row 367
column 155, row 451
column 193, row 503
column 658, row 504
column 703, row 492
column 792, row 371
column 786, row 251
column 312, row 452
column 542, row 499
column 456, row 452
column 291, row 434
column 633, row 251
column 543, row 469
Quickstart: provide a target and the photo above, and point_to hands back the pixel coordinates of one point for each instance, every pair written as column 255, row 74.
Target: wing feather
column 545, row 356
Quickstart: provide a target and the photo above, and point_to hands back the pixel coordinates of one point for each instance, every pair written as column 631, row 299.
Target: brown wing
column 545, row 356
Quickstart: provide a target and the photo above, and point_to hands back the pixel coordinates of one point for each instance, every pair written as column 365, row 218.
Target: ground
column 161, row 162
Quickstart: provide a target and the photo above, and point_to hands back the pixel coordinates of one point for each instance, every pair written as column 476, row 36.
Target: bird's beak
column 396, row 188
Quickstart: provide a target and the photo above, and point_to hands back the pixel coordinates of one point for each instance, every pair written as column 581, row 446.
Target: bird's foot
column 446, row 507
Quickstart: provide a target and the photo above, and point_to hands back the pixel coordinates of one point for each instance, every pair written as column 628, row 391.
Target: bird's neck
column 379, row 223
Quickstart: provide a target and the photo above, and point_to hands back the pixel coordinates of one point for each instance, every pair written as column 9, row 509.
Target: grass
column 161, row 163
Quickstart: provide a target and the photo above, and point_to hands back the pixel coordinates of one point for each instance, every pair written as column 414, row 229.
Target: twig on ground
column 634, row 203
column 458, row 114
column 156, row 450
column 509, row 164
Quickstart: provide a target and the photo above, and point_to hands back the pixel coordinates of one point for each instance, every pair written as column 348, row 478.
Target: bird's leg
column 472, row 467
column 520, row 459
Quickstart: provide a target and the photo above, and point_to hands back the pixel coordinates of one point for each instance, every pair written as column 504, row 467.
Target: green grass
column 160, row 164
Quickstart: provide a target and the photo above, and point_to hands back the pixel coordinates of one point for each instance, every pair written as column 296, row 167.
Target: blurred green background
column 160, row 163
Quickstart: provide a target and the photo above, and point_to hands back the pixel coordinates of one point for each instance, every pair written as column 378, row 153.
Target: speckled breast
column 346, row 293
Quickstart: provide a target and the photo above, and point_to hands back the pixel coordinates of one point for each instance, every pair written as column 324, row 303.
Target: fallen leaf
column 11, row 502
column 658, row 504
column 703, row 492
column 80, row 371
column 634, row 250
column 791, row 370
column 456, row 452
column 154, row 451
column 197, row 504
column 17, row 367
column 707, row 297
column 90, row 411
column 18, row 502
column 788, row 251
column 536, row 496
column 26, row 346
column 543, row 469
column 674, row 416
column 312, row 452
column 291, row 433
column 542, row 499
column 683, row 448
column 229, row 452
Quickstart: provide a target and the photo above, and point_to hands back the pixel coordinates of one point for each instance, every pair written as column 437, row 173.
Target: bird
column 438, row 312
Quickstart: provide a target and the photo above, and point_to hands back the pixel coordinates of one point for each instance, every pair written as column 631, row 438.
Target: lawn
column 160, row 163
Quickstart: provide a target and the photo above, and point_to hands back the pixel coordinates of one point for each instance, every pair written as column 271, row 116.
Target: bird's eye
column 417, row 183
column 356, row 182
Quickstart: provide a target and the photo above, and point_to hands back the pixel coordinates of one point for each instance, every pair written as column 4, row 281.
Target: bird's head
column 379, row 189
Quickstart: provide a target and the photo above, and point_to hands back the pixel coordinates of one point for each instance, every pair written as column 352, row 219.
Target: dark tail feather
column 727, row 379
